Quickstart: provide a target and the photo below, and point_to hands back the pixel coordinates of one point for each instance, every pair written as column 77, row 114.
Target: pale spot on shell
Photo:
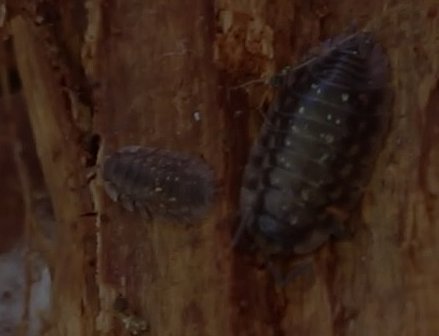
column 337, row 121
column 158, row 189
column 329, row 117
column 301, row 110
column 344, row 97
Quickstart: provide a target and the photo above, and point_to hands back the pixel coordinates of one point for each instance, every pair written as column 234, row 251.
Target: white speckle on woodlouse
column 337, row 121
column 344, row 97
column 301, row 110
column 329, row 117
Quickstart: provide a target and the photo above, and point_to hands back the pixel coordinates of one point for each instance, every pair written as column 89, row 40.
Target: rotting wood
column 62, row 165
column 151, row 66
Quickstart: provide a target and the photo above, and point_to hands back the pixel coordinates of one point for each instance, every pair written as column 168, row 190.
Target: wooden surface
column 133, row 72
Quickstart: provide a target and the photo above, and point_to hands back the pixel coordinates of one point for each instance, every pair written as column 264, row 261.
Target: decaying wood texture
column 177, row 74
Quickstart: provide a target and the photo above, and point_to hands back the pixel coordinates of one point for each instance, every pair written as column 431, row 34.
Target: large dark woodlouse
column 159, row 182
column 317, row 147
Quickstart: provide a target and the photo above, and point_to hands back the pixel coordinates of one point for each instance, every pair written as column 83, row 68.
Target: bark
column 180, row 74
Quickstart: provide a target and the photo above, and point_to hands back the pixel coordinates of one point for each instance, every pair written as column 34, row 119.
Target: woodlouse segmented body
column 159, row 182
column 317, row 146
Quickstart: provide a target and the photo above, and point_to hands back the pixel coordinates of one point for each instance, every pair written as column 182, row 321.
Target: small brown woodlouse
column 317, row 147
column 159, row 182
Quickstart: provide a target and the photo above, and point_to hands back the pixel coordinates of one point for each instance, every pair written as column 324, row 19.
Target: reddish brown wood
column 136, row 72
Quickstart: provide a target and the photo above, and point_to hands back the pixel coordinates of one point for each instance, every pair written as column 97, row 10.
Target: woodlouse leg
column 144, row 211
column 111, row 191
column 126, row 203
column 178, row 217
column 326, row 48
column 239, row 233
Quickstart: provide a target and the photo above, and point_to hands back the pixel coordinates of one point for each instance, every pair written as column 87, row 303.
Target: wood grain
column 173, row 74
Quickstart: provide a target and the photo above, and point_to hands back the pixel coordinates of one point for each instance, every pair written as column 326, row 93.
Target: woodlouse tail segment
column 316, row 239
column 282, row 278
column 379, row 68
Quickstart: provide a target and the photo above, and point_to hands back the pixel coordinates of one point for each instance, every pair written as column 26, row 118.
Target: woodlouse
column 159, row 182
column 317, row 146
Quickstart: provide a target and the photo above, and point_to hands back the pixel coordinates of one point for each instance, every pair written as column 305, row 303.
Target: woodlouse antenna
column 238, row 234
column 352, row 31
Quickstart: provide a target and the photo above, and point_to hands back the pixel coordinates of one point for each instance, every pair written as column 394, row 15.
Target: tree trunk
column 183, row 75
